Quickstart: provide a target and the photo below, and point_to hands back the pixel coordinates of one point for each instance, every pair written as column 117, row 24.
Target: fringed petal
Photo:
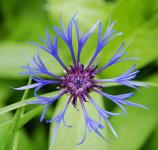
column 28, row 86
column 103, row 41
column 84, row 137
column 65, row 123
column 104, row 114
column 125, row 78
column 120, row 99
column 58, row 120
column 37, row 67
column 67, row 36
column 91, row 124
column 83, row 38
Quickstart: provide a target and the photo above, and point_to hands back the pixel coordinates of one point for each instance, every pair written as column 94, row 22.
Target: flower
column 79, row 80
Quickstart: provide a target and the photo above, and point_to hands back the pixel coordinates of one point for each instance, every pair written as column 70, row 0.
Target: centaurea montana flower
column 79, row 80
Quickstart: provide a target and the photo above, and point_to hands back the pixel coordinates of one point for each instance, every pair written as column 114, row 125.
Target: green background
column 22, row 22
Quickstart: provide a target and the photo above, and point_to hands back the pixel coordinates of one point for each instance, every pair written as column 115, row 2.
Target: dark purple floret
column 79, row 80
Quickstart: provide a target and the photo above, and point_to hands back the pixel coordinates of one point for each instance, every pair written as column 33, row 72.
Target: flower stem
column 13, row 137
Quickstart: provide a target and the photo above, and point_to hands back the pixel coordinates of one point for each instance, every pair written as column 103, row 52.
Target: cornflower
column 80, row 80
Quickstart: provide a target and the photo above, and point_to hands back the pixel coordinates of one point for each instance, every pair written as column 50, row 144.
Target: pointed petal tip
column 145, row 107
column 116, row 136
column 41, row 120
column 48, row 121
column 19, row 88
column 124, row 113
column 79, row 143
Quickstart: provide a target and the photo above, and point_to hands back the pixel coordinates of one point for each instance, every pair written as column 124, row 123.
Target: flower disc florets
column 79, row 81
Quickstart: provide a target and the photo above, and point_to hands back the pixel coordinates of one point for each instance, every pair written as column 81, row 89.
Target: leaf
column 134, row 129
column 12, row 135
column 139, row 12
column 40, row 137
column 152, row 142
column 13, row 56
column 22, row 103
column 138, row 30
column 71, row 136
column 25, row 141
column 24, row 118
column 5, row 131
column 4, row 93
column 21, row 24
column 88, row 11
column 13, row 106
column 9, row 130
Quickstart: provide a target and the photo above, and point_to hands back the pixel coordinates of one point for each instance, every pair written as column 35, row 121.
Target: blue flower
column 79, row 80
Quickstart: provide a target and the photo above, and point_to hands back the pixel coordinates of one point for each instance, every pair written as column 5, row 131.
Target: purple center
column 79, row 81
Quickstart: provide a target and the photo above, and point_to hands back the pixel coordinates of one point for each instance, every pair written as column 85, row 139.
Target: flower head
column 79, row 80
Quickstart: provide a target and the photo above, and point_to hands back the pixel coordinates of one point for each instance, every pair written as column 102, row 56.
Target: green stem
column 16, row 139
column 18, row 114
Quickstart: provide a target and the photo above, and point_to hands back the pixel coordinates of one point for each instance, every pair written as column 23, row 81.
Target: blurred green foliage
column 22, row 22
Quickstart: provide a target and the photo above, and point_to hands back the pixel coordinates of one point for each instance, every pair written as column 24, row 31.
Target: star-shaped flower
column 80, row 80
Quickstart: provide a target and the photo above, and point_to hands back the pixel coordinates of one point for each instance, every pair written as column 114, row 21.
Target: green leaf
column 139, row 30
column 88, row 11
column 6, row 126
column 152, row 142
column 5, row 132
column 13, row 106
column 25, row 141
column 40, row 137
column 145, row 42
column 139, row 12
column 4, row 93
column 22, row 103
column 71, row 136
column 135, row 129
column 11, row 135
column 13, row 56
column 24, row 118
column 11, row 67
column 21, row 24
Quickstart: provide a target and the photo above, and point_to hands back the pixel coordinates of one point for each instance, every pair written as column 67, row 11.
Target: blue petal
column 120, row 99
column 125, row 78
column 58, row 120
column 91, row 124
column 67, row 36
column 118, row 54
column 44, row 112
column 28, row 86
column 84, row 137
column 60, row 116
column 111, row 127
column 45, row 100
column 65, row 124
column 38, row 67
column 52, row 49
column 103, row 41
column 54, row 135
column 105, row 115
column 82, row 39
